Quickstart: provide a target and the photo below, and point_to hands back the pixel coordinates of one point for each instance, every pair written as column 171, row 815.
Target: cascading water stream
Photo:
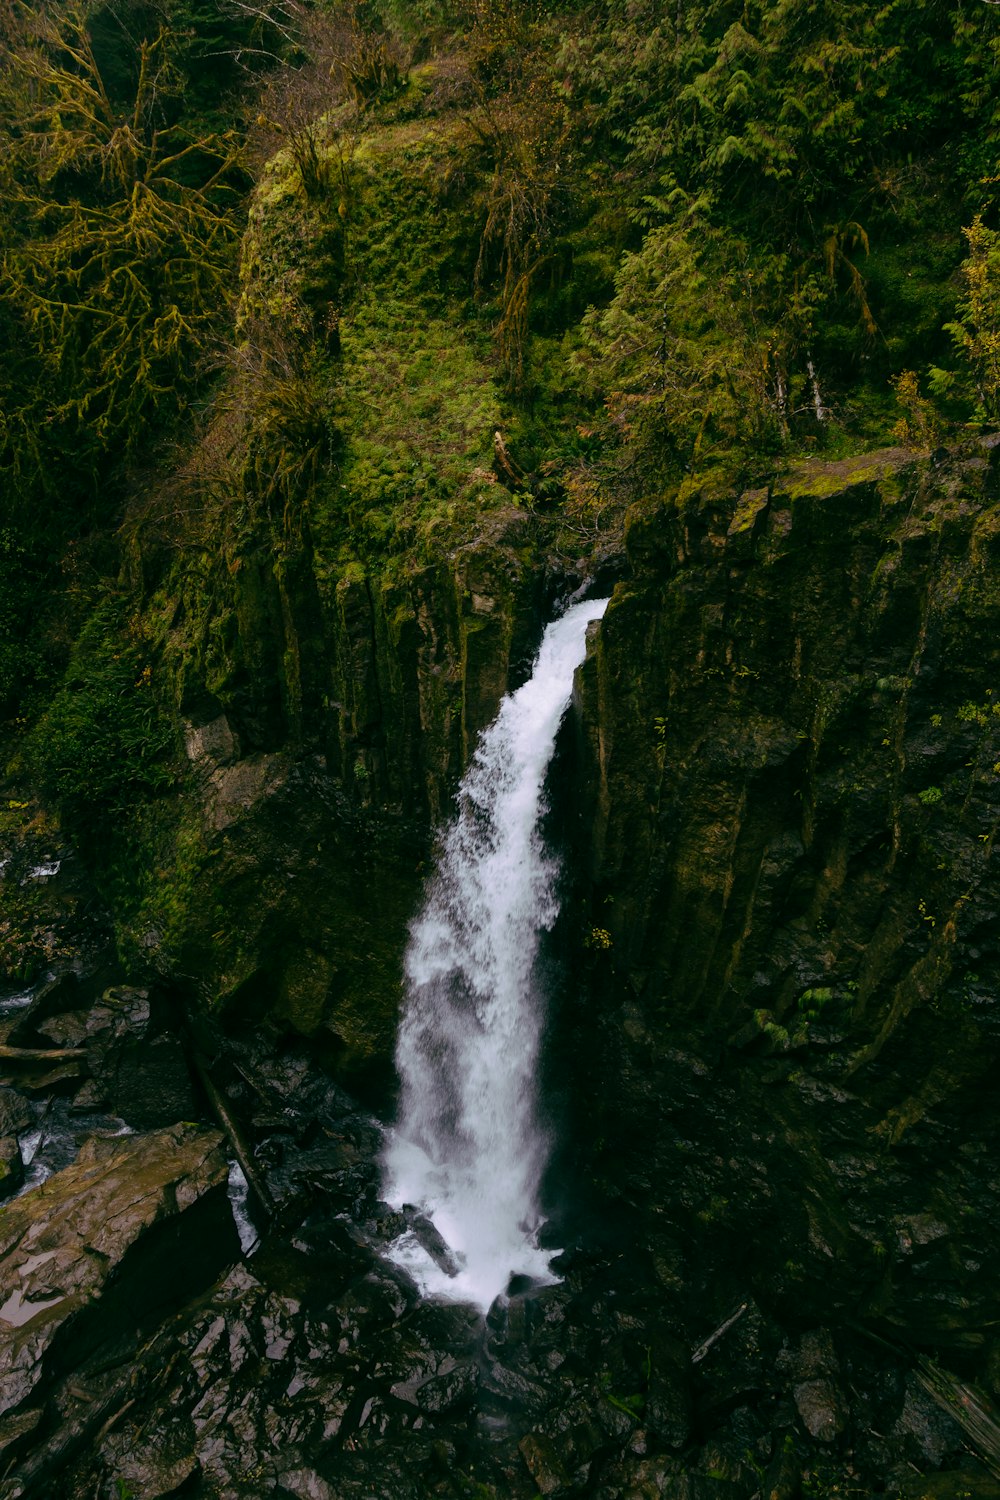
column 469, row 1148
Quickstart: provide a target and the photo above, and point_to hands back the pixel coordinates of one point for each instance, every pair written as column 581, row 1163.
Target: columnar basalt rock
column 326, row 724
column 792, row 731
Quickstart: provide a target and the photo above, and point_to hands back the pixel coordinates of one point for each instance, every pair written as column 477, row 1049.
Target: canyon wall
column 789, row 724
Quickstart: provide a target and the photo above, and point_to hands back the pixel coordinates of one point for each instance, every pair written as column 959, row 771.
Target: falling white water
column 468, row 1150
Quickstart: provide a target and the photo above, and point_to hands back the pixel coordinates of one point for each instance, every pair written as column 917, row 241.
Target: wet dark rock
column 668, row 1409
column 151, row 1085
column 579, row 1426
column 450, row 1391
column 431, row 1241
column 11, row 1166
column 965, row 1483
column 782, row 1475
column 414, row 1362
column 748, row 1435
column 739, row 1363
column 718, row 1461
column 131, row 1057
column 103, row 1248
column 318, row 1150
column 60, row 996
column 821, row 1408
column 446, row 1325
column 378, row 1300
column 510, row 1385
column 156, row 1467
column 815, row 1372
column 304, row 1484
column 327, row 1251
column 618, row 1420
column 16, row 1114
column 542, row 1458
column 137, row 1059
column 661, row 1478
column 531, row 1316
column 927, row 1433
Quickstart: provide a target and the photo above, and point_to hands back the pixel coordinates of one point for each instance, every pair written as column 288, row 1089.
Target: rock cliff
column 791, row 734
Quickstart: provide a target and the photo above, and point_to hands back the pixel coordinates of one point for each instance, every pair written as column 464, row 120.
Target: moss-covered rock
column 324, row 732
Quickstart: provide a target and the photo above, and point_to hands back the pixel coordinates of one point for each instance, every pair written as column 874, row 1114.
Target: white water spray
column 469, row 1149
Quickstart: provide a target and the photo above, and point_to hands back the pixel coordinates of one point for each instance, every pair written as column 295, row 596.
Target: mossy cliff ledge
column 792, row 731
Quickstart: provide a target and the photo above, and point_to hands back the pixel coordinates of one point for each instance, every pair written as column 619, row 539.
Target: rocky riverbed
column 145, row 1353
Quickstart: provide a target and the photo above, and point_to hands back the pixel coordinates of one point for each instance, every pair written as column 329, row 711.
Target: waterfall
column 469, row 1149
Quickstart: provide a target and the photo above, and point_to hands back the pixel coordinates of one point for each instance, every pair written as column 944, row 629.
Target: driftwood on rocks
column 713, row 1338
column 973, row 1412
column 235, row 1135
column 42, row 1054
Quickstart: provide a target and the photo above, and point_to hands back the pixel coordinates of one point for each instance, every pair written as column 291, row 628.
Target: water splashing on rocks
column 469, row 1150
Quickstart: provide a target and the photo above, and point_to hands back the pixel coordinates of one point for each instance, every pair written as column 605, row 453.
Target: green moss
column 747, row 511
column 104, row 742
column 817, row 480
column 408, row 386
column 162, row 886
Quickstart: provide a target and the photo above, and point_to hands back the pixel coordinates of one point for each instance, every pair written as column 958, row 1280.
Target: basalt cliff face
column 790, row 731
column 325, row 730
column 785, row 798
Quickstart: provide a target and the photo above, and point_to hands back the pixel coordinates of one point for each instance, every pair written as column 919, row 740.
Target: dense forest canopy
column 659, row 239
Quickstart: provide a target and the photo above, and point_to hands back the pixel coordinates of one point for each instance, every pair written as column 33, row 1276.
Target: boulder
column 11, row 1166
column 543, row 1461
column 16, row 1114
column 815, row 1370
column 91, row 1258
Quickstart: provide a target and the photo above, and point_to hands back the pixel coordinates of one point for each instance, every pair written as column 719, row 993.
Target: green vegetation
column 118, row 228
column 812, row 1003
column 118, row 233
column 311, row 289
column 636, row 242
column 103, row 743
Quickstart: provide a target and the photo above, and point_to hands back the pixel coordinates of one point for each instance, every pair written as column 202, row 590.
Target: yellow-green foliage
column 123, row 266
column 976, row 332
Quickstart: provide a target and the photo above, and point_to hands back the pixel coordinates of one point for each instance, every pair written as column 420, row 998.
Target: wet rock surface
column 792, row 971
column 313, row 1368
column 154, row 1358
column 91, row 1259
column 780, row 1046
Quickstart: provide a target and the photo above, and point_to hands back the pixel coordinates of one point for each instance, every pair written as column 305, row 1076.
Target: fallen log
column 41, row 1054
column 969, row 1407
column 238, row 1141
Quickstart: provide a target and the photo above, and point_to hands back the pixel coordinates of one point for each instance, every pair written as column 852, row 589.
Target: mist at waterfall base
column 468, row 1150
